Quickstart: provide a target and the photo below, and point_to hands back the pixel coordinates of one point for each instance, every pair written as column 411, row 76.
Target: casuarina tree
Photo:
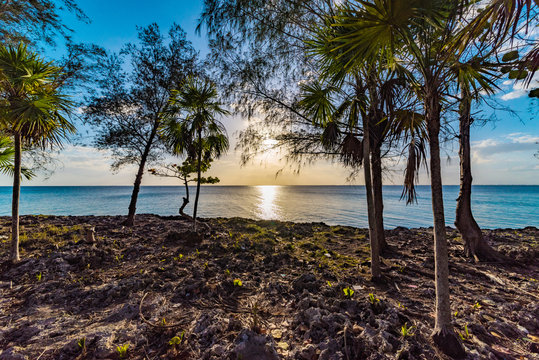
column 132, row 96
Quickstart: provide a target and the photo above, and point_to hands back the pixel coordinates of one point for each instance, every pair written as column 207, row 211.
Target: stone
column 12, row 354
column 308, row 352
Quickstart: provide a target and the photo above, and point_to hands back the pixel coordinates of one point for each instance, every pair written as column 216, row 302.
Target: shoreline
column 290, row 304
column 232, row 218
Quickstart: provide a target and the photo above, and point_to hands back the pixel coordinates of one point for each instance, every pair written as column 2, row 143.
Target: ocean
column 511, row 206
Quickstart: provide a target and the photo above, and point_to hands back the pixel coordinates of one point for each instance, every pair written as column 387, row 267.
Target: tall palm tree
column 342, row 133
column 32, row 111
column 413, row 33
column 191, row 126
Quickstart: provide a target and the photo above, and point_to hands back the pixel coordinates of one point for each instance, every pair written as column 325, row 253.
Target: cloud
column 484, row 150
column 519, row 90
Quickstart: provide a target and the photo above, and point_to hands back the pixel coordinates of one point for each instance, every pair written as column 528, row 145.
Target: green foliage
column 373, row 299
column 238, row 282
column 82, row 344
column 466, row 335
column 177, row 340
column 32, row 105
column 131, row 99
column 38, row 276
column 7, row 153
column 191, row 127
column 185, row 171
column 518, row 74
column 348, row 292
column 122, row 350
column 407, row 331
column 510, row 56
column 33, row 21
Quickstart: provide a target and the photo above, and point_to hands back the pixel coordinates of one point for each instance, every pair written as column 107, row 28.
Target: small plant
column 476, row 306
column 82, row 344
column 38, row 276
column 401, row 306
column 163, row 322
column 237, row 282
column 179, row 257
column 119, row 258
column 177, row 340
column 456, row 313
column 329, row 283
column 466, row 334
column 407, row 331
column 373, row 299
column 122, row 350
column 348, row 292
column 227, row 272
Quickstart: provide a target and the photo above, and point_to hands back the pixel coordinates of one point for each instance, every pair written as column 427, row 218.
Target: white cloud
column 490, row 150
column 519, row 90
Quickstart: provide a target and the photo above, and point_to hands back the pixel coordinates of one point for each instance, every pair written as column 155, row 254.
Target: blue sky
column 503, row 151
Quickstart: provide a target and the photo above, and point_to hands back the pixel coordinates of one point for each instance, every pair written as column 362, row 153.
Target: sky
column 502, row 150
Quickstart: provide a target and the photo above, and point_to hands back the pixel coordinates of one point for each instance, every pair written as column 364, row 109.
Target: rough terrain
column 254, row 290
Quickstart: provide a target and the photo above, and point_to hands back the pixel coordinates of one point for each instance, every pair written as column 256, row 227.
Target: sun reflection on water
column 267, row 209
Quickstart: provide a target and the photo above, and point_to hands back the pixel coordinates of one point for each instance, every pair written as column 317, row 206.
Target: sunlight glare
column 267, row 209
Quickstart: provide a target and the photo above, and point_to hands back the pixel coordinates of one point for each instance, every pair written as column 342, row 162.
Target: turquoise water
column 493, row 206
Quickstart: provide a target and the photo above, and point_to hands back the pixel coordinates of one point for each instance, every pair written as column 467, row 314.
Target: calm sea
column 493, row 206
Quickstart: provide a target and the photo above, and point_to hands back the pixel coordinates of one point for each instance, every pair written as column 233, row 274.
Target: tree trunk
column 185, row 200
column 16, row 197
column 376, row 168
column 475, row 246
column 130, row 221
column 199, row 165
column 373, row 238
column 443, row 335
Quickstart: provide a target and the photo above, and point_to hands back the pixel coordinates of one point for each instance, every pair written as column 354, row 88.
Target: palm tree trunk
column 376, row 168
column 475, row 246
column 16, row 197
column 199, row 166
column 443, row 335
column 373, row 239
column 130, row 221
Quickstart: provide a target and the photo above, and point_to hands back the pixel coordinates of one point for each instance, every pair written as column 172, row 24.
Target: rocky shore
column 250, row 289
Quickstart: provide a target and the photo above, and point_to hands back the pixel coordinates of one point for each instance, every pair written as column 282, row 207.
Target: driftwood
column 89, row 233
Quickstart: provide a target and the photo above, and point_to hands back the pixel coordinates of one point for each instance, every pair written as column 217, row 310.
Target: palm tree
column 342, row 134
column 191, row 126
column 7, row 152
column 32, row 111
column 473, row 77
column 415, row 34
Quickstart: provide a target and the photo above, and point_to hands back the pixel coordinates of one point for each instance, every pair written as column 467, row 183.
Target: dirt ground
column 254, row 290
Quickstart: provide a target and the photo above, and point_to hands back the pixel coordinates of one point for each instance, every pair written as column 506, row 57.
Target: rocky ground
column 254, row 290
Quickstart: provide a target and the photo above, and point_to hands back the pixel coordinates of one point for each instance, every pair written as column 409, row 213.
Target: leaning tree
column 133, row 91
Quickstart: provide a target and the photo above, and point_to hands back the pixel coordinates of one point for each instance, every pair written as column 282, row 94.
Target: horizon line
column 243, row 185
